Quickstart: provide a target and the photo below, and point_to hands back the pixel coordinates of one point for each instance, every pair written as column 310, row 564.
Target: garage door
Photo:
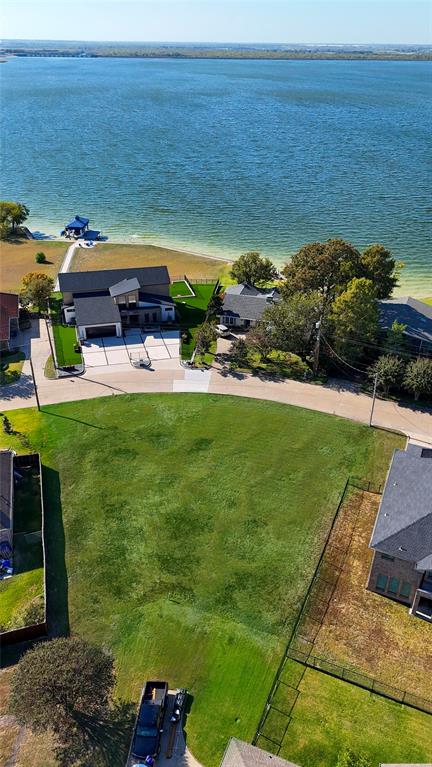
column 101, row 330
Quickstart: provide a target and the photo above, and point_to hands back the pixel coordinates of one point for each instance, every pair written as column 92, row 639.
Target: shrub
column 40, row 258
column 389, row 371
column 418, row 378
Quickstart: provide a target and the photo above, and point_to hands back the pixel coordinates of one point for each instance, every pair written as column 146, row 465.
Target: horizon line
column 204, row 42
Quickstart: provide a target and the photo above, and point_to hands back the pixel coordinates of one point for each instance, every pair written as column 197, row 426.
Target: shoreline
column 135, row 244
column 406, row 287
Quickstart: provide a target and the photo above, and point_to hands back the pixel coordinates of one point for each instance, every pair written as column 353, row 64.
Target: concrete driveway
column 103, row 352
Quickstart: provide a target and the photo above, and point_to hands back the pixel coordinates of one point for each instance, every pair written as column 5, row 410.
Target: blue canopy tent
column 77, row 227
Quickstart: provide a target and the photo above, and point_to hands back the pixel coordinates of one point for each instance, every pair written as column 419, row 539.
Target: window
column 132, row 299
column 405, row 590
column 393, row 586
column 381, row 582
column 387, row 556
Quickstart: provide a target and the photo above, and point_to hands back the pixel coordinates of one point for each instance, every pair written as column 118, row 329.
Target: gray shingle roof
column 104, row 279
column 403, row 527
column 124, row 286
column 240, row 754
column 96, row 310
column 415, row 314
column 247, row 302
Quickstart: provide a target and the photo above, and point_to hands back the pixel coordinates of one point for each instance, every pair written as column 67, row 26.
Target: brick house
column 402, row 536
column 9, row 311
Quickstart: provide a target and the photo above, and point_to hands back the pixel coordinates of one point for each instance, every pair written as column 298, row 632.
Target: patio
column 160, row 345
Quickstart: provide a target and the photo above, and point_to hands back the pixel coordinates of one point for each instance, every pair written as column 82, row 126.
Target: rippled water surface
column 225, row 156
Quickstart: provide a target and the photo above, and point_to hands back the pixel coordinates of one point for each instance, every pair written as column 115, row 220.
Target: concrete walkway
column 337, row 398
column 66, row 261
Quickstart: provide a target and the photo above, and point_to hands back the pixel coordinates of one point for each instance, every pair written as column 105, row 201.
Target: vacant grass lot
column 189, row 543
column 330, row 715
column 18, row 258
column 112, row 256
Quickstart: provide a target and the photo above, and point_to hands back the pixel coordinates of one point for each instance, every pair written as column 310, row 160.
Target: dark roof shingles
column 104, row 279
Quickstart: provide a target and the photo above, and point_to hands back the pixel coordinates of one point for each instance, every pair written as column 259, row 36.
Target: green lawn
column 180, row 289
column 10, row 367
column 189, row 543
column 65, row 337
column 25, row 589
column 192, row 311
column 330, row 715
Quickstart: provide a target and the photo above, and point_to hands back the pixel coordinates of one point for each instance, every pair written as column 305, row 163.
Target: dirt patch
column 112, row 256
column 366, row 631
column 19, row 257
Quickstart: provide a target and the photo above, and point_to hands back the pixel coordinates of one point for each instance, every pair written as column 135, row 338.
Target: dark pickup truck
column 149, row 721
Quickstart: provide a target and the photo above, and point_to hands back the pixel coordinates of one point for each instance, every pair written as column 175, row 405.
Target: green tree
column 354, row 318
column 389, row 371
column 62, row 686
column 260, row 339
column 349, row 758
column 19, row 213
column 205, row 336
column 324, row 266
column 12, row 214
column 292, row 322
column 395, row 340
column 40, row 258
column 239, row 352
column 36, row 290
column 418, row 378
column 253, row 269
column 379, row 266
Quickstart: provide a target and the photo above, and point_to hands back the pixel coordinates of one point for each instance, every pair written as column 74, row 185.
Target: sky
column 278, row 21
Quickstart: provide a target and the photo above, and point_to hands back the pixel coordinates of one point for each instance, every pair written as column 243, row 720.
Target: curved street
column 336, row 397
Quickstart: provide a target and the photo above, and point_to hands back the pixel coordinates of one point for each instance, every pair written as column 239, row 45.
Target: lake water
column 225, row 156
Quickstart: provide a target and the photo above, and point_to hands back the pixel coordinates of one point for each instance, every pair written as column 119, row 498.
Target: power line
column 363, row 372
column 402, row 352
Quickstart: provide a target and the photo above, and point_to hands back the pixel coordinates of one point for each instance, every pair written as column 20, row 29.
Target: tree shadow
column 105, row 740
column 22, row 388
column 56, row 573
column 69, row 418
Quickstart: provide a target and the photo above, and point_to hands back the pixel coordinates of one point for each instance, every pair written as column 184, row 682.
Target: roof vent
column 402, row 548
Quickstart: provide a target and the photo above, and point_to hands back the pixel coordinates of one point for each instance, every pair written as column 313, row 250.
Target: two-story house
column 402, row 536
column 106, row 302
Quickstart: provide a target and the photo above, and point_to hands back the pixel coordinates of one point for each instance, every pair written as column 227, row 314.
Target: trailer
column 146, row 738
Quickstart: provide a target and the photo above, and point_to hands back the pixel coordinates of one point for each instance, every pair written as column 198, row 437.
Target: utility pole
column 34, row 383
column 373, row 398
column 318, row 326
column 317, row 348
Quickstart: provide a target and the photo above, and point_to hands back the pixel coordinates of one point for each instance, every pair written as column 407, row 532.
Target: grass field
column 367, row 632
column 10, row 367
column 330, row 715
column 427, row 300
column 115, row 256
column 192, row 311
column 189, row 543
column 18, row 258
